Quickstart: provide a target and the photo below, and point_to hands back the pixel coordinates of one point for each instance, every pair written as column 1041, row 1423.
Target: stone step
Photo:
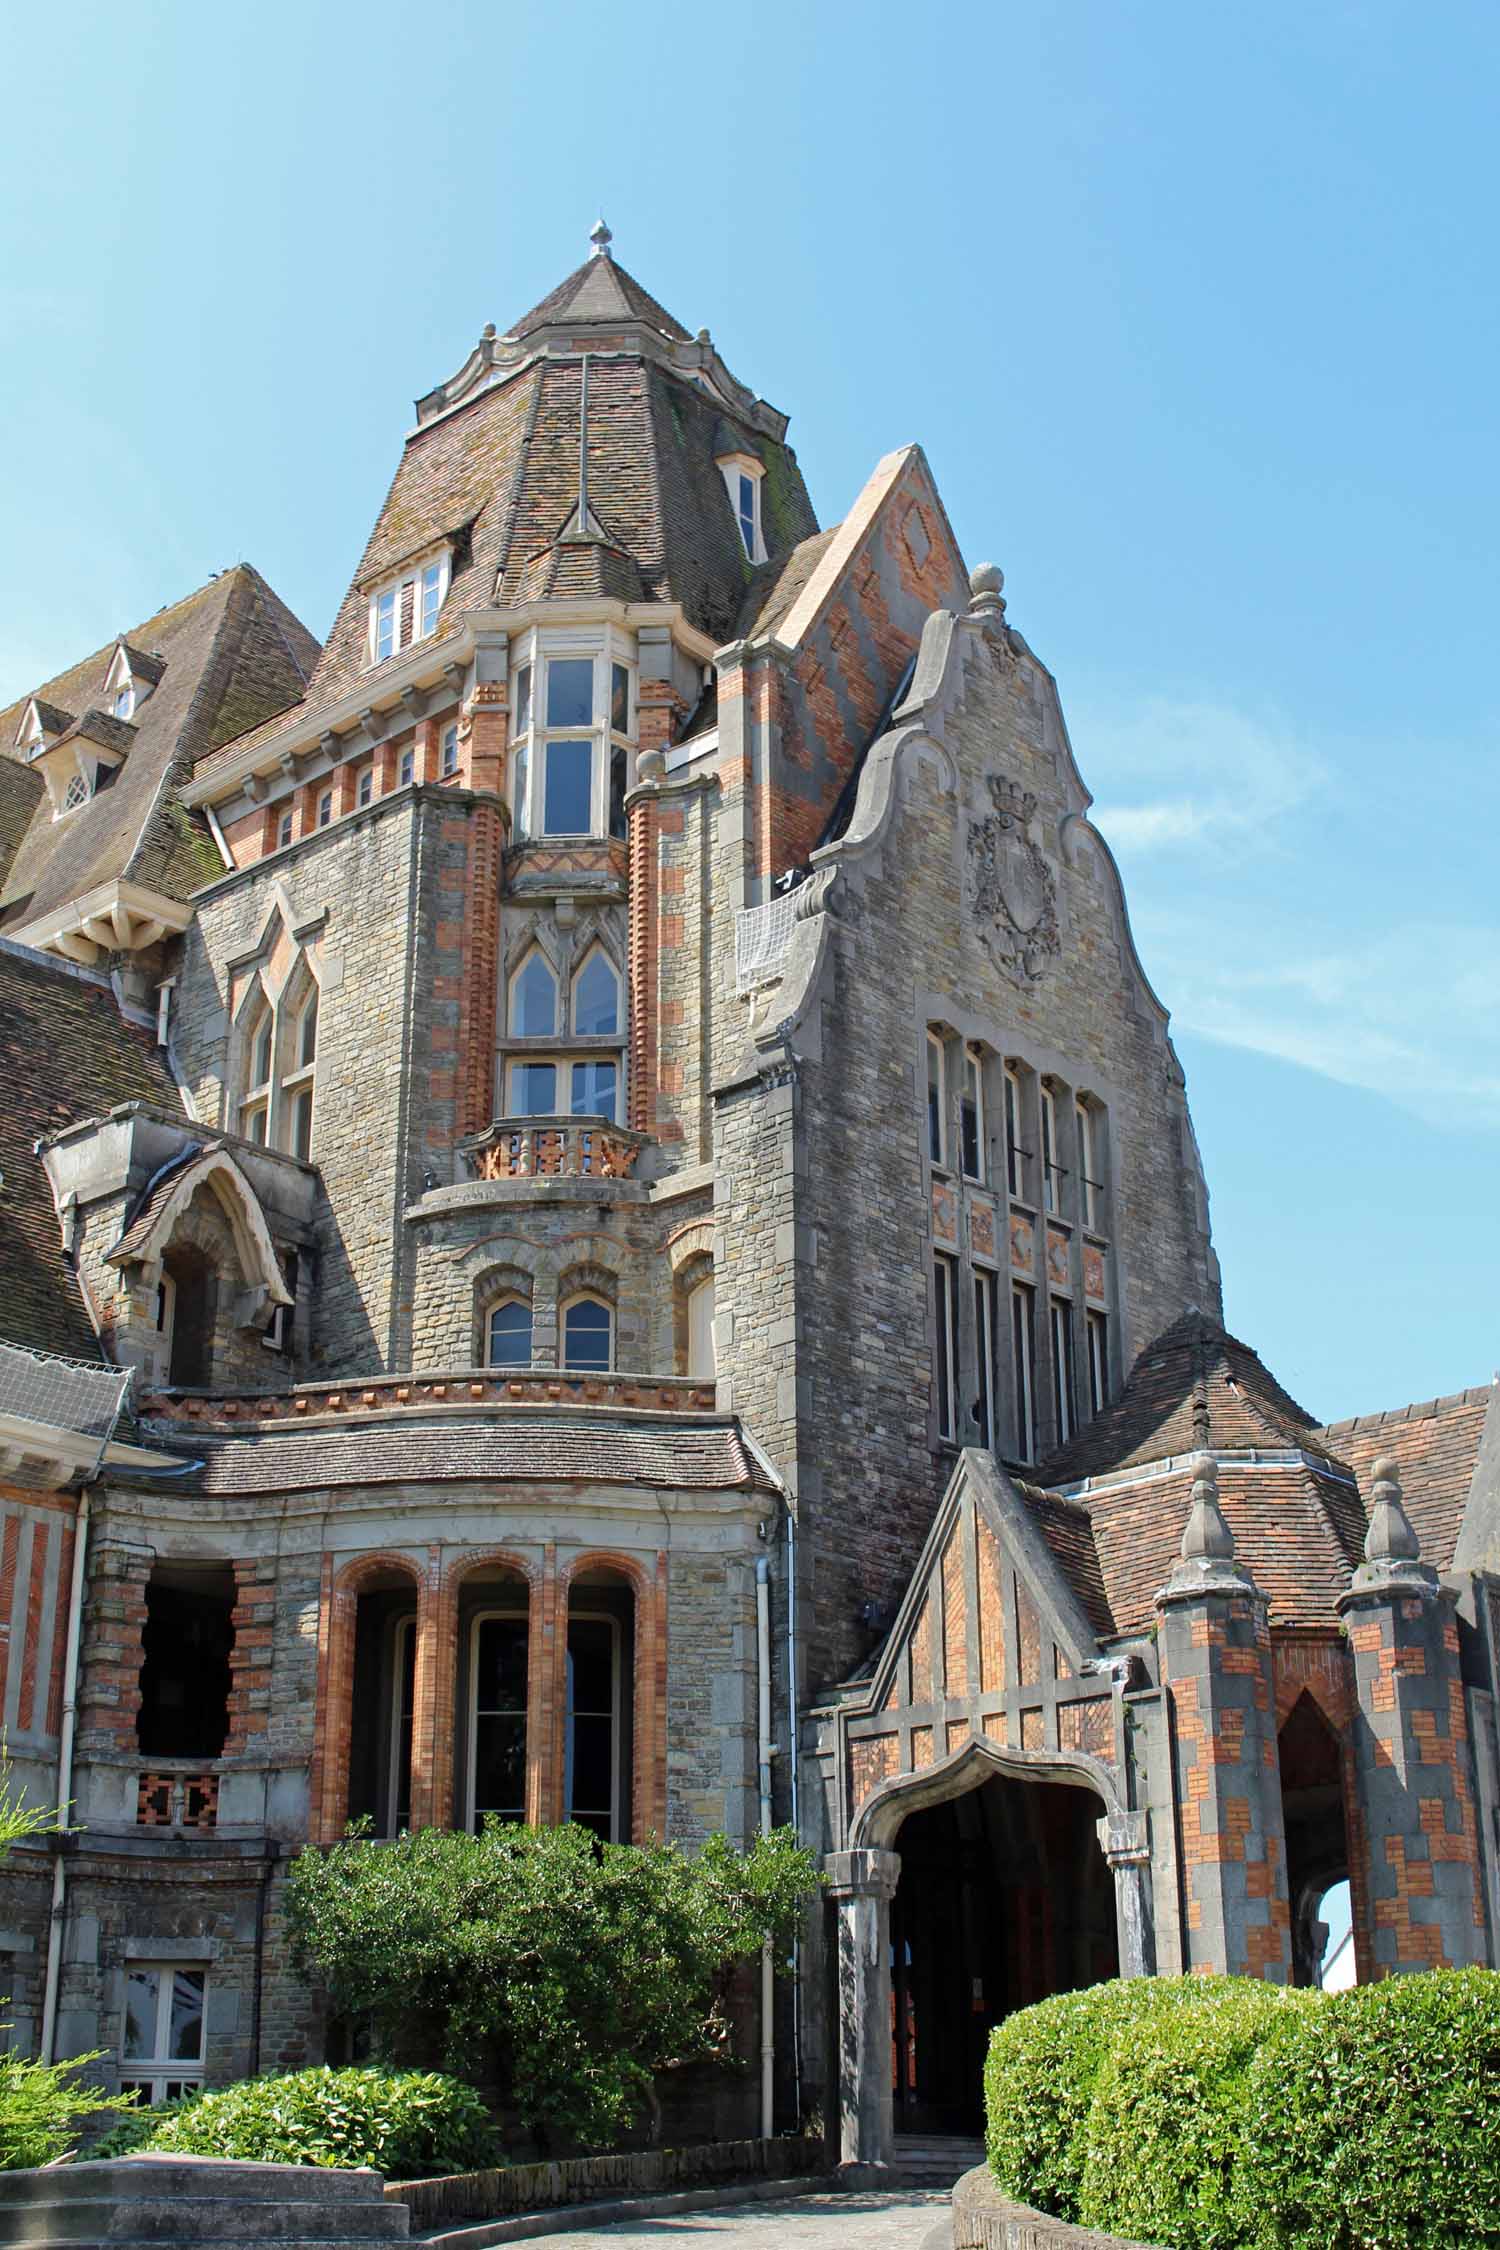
column 125, row 2178
column 152, row 2217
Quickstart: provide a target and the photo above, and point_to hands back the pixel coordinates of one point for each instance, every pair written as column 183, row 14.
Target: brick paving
column 904, row 2221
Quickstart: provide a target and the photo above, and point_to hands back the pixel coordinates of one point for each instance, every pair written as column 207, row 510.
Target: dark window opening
column 617, row 770
column 1317, row 1845
column 601, row 1664
column 385, row 1669
column 494, row 1671
column 186, row 1640
column 195, row 1305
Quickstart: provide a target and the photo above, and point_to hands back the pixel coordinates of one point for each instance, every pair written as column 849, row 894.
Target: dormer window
column 406, row 608
column 124, row 689
column 742, row 475
column 125, row 700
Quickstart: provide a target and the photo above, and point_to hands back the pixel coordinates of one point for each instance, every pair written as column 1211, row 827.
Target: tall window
column 742, row 476
column 406, row 608
column 533, row 999
column 508, row 1333
column 572, row 725
column 297, row 1085
column 1051, row 1169
column 364, row 788
column 161, row 2043
column 403, row 1698
column 498, row 1652
column 255, row 1109
column 1090, row 1181
column 1023, row 1366
column 1062, row 1366
column 1015, row 1155
column 449, row 759
column 596, row 998
column 591, row 1774
column 971, row 1115
column 945, row 1312
column 937, row 1099
column 986, row 1339
column 280, row 1054
column 588, row 1328
column 125, row 700
column 702, row 1347
column 1097, row 1325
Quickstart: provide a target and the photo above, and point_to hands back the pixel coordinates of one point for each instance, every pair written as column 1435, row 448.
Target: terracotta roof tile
column 1436, row 1444
column 1068, row 1530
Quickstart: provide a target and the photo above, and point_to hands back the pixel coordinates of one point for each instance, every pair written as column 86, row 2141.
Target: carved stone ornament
column 1012, row 888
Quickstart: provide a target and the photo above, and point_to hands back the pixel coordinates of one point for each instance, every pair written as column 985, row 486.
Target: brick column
column 549, row 1695
column 489, row 826
column 328, row 1808
column 541, row 1629
column 648, row 1810
column 433, row 1699
column 1411, row 1750
column 113, row 1652
column 643, row 911
column 1214, row 1643
column 250, row 1656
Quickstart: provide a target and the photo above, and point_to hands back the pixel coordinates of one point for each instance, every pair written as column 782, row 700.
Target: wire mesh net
column 762, row 935
column 68, row 1394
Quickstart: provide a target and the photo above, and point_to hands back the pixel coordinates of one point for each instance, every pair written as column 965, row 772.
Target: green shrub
column 1166, row 2129
column 405, row 2123
column 1376, row 2119
column 1040, row 2075
column 40, row 2108
column 137, row 2128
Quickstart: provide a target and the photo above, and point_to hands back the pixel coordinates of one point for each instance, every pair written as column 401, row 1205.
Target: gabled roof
column 21, row 791
column 1156, row 1414
column 599, row 290
column 65, row 1053
column 227, row 655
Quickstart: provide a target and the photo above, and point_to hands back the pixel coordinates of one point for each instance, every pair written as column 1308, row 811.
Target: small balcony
column 552, row 1148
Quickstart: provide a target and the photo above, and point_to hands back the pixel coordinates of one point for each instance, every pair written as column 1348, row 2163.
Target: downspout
column 65, row 1771
column 217, row 834
column 792, row 1729
column 763, row 1743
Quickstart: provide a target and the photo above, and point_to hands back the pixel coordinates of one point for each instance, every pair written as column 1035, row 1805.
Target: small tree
column 566, row 1973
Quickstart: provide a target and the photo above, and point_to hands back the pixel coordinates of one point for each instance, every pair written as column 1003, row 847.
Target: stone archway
column 974, row 1888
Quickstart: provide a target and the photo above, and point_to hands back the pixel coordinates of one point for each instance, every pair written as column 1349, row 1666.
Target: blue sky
column 1192, row 308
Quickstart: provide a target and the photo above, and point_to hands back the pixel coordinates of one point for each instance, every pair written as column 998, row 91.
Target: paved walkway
column 803, row 2222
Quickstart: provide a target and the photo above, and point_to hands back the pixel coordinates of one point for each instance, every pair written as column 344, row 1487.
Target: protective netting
column 762, row 936
column 68, row 1394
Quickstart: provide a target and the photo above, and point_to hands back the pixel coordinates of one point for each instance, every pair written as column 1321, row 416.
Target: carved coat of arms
column 1011, row 887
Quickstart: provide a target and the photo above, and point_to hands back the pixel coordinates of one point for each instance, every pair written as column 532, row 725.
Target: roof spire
column 601, row 238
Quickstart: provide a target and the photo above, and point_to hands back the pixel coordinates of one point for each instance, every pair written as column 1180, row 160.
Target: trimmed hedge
column 1253, row 2118
column 1039, row 2079
column 1166, row 2131
column 1377, row 2119
column 407, row 2124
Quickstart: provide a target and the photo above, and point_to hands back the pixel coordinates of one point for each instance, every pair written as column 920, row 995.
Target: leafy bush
column 40, row 2106
column 1166, row 2128
column 1376, row 2119
column 1040, row 2074
column 136, row 2129
column 404, row 2123
column 567, row 1973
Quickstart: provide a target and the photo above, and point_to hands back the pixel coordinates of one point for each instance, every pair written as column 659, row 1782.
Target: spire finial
column 1206, row 1537
column 601, row 238
column 1390, row 1538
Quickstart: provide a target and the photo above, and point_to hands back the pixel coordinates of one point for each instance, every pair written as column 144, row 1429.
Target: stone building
column 597, row 1150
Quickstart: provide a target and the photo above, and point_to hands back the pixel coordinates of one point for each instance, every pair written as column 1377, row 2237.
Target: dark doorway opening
column 385, row 1675
column 195, row 1292
column 1317, row 1844
column 186, row 1640
column 1005, row 1897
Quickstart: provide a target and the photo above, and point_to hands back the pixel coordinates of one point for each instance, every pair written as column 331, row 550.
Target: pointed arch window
column 298, row 1082
column 533, row 998
column 255, row 1109
column 279, row 1049
column 596, row 997
column 588, row 1335
column 508, row 1333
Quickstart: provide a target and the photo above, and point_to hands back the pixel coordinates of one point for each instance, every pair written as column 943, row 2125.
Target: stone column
column 1125, row 1843
column 1215, row 1650
column 861, row 1885
column 1411, row 1750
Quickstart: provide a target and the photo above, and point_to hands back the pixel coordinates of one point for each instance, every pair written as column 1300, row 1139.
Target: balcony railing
column 174, row 1797
column 542, row 1148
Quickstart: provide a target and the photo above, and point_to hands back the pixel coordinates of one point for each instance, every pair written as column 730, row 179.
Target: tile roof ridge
column 1474, row 1394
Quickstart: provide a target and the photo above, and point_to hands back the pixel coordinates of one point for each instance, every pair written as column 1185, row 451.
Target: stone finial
column 1390, row 1538
column 1206, row 1536
column 601, row 238
column 987, row 588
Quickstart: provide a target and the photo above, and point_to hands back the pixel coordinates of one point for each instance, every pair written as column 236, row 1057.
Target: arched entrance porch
column 974, row 1888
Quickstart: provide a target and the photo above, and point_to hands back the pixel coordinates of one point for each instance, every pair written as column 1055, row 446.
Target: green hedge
column 1039, row 2080
column 407, row 2124
column 1253, row 2118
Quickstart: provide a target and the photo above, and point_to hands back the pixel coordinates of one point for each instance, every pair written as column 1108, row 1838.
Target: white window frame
column 1096, row 1328
column 534, row 952
column 517, row 1616
column 945, row 1341
column 498, row 1304
column 403, row 1629
column 1090, row 1185
column 1051, row 1169
column 122, row 686
column 1023, row 1356
column 428, row 594
column 701, row 1331
column 562, row 1062
column 258, row 1099
column 734, row 467
column 302, row 1077
column 79, row 789
column 285, row 827
column 155, row 2073
column 618, row 1783
column 325, row 809
column 596, row 952
column 531, row 736
column 406, row 767
column 1015, row 1152
column 448, row 751
column 585, row 1297
column 973, row 1086
column 364, row 786
column 937, row 1142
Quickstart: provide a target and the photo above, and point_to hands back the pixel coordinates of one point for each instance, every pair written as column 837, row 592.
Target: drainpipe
column 791, row 1735
column 763, row 1735
column 65, row 1774
column 217, row 834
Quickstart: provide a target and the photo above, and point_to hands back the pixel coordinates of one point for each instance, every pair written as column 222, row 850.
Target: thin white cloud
column 1182, row 772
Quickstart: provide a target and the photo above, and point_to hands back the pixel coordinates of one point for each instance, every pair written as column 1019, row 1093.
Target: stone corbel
column 253, row 1307
column 414, row 703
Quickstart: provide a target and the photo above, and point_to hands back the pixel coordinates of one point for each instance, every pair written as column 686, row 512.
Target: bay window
column 572, row 731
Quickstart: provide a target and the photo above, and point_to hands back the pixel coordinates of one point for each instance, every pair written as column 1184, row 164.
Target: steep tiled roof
column 20, row 793
column 1069, row 1532
column 1436, row 1445
column 530, row 1448
column 65, row 1053
column 1154, row 1415
column 600, row 290
column 777, row 584
column 226, row 655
